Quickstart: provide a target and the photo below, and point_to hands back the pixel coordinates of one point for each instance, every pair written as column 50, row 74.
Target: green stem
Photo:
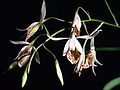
column 96, row 20
column 111, row 13
column 89, row 20
column 109, row 49
column 42, row 45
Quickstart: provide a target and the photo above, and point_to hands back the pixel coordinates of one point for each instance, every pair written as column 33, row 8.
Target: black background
column 21, row 13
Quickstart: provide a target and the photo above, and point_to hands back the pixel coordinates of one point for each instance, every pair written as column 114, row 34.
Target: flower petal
column 66, row 47
column 32, row 29
column 95, row 33
column 84, row 37
column 72, row 43
column 23, row 60
column 93, row 70
column 43, row 12
column 56, row 39
column 77, row 21
column 19, row 42
column 97, row 29
column 78, row 46
column 21, row 52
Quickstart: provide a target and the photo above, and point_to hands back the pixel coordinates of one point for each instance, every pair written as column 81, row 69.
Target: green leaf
column 111, row 84
column 59, row 73
column 24, row 77
column 108, row 49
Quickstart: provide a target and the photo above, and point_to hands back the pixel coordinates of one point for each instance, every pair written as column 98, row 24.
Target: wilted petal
column 23, row 60
column 21, row 51
column 24, row 55
column 66, row 47
column 32, row 29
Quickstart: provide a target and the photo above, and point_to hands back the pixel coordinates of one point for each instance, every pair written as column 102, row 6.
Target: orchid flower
column 90, row 59
column 25, row 53
column 73, row 48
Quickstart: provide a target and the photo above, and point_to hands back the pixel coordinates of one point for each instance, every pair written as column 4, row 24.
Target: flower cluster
column 73, row 49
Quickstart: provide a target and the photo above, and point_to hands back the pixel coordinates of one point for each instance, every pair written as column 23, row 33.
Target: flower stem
column 96, row 20
column 111, row 13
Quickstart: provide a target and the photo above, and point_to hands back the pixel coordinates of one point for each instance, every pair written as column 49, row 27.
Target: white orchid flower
column 72, row 50
column 25, row 53
column 90, row 59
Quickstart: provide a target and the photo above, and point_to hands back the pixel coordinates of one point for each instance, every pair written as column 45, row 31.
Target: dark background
column 21, row 13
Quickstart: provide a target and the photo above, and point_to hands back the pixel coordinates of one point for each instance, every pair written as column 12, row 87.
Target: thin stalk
column 96, row 20
column 113, row 16
column 41, row 46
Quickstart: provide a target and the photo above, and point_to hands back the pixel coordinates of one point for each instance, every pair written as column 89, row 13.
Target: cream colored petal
column 97, row 29
column 19, row 42
column 66, row 47
column 93, row 70
column 95, row 59
column 78, row 45
column 81, row 61
column 84, row 37
column 77, row 22
column 56, row 39
column 72, row 43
